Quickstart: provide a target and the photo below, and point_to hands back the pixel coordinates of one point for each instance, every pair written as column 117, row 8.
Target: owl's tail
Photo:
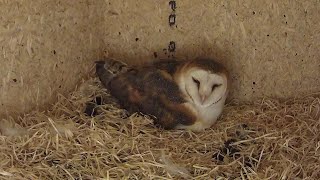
column 104, row 75
column 106, row 70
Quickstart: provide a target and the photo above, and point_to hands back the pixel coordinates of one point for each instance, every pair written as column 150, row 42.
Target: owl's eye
column 196, row 81
column 215, row 86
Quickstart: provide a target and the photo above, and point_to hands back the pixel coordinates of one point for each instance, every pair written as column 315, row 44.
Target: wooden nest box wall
column 270, row 47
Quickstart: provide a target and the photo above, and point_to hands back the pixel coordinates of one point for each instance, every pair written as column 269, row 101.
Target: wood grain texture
column 47, row 47
column 271, row 48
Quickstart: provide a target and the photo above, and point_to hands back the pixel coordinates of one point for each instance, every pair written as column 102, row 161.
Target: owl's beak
column 203, row 98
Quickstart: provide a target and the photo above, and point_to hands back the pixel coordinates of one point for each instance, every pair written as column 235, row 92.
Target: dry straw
column 264, row 140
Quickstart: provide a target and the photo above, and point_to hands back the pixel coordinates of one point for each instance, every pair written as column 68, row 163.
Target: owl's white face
column 205, row 88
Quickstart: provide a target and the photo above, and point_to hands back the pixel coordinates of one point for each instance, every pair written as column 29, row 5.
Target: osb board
column 46, row 47
column 270, row 47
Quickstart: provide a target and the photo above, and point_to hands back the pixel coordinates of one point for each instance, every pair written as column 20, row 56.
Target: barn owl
column 180, row 94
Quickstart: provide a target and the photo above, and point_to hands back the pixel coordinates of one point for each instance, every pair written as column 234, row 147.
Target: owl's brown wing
column 168, row 103
column 152, row 91
column 126, row 89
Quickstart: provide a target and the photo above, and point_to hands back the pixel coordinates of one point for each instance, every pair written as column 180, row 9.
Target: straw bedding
column 264, row 140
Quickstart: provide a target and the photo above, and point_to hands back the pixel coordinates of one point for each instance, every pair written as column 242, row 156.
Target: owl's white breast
column 206, row 116
column 209, row 115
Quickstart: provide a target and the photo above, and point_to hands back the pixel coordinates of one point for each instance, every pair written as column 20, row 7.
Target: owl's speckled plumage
column 157, row 89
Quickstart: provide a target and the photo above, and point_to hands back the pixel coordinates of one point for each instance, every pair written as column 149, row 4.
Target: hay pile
column 265, row 140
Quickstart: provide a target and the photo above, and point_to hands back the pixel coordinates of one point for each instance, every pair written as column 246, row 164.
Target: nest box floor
column 264, row 140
